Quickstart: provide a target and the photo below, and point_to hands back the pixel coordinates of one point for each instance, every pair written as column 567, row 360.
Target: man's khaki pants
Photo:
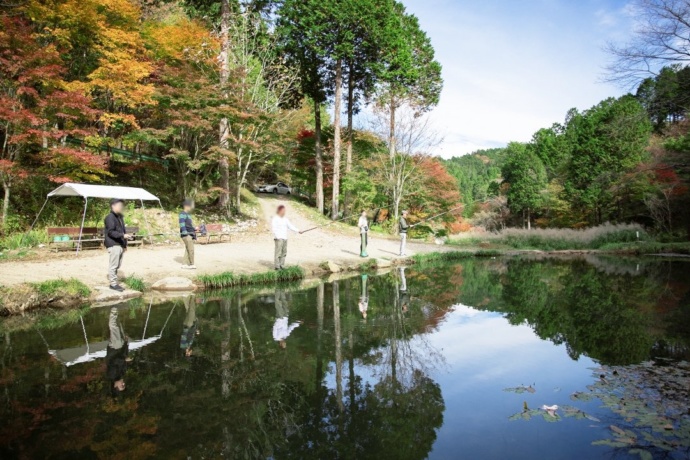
column 188, row 250
column 114, row 263
column 280, row 253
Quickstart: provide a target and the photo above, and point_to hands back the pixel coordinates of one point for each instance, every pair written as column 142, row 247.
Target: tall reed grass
column 229, row 279
column 557, row 239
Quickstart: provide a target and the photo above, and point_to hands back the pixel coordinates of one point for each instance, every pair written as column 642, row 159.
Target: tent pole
column 83, row 218
column 35, row 220
column 148, row 227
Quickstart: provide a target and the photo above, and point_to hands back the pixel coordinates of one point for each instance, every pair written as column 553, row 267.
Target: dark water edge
column 431, row 361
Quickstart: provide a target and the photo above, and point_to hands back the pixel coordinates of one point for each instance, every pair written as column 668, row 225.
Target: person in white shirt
column 280, row 226
column 281, row 327
column 363, row 225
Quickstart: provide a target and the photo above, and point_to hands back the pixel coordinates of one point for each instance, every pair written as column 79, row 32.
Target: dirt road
column 250, row 252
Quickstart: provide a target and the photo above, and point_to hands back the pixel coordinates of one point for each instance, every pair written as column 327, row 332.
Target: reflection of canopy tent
column 96, row 350
column 87, row 191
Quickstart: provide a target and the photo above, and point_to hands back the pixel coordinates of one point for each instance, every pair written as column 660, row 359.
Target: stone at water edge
column 105, row 294
column 333, row 267
column 174, row 283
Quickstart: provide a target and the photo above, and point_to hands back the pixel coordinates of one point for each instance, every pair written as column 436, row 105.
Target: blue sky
column 511, row 67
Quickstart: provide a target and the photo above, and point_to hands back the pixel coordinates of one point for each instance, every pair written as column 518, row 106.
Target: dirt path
column 247, row 253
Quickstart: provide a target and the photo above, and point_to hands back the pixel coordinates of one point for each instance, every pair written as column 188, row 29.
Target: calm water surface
column 441, row 361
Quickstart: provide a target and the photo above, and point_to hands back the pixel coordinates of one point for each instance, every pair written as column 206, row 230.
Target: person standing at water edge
column 402, row 228
column 115, row 241
column 187, row 233
column 363, row 225
column 280, row 226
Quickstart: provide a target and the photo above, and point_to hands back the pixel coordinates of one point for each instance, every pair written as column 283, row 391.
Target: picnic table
column 91, row 237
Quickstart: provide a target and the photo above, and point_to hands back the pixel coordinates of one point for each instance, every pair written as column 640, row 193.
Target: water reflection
column 116, row 357
column 281, row 327
column 422, row 376
column 189, row 326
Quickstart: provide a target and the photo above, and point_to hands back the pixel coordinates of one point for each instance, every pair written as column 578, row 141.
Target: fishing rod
column 334, row 221
column 434, row 217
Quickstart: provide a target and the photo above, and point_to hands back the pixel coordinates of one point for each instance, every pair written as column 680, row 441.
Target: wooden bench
column 62, row 237
column 213, row 231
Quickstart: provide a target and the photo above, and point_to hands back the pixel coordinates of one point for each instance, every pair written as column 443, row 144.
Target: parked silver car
column 279, row 188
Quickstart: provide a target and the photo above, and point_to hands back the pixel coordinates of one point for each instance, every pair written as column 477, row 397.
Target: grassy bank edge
column 58, row 293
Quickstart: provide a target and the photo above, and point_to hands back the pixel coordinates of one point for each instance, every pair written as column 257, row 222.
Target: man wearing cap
column 116, row 238
column 402, row 228
column 188, row 234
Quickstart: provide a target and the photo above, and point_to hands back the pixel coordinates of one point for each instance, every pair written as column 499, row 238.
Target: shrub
column 24, row 240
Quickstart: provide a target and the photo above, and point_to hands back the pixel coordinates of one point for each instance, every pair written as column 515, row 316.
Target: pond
column 459, row 360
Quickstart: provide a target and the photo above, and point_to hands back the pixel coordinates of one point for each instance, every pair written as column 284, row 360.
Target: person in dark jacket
column 187, row 233
column 116, row 355
column 115, row 240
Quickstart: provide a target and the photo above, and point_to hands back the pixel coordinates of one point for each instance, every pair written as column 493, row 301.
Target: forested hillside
column 201, row 99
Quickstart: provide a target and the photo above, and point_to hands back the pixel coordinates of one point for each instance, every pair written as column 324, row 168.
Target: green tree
column 526, row 176
column 608, row 141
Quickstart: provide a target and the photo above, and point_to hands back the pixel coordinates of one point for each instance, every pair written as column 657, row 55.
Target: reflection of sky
column 483, row 355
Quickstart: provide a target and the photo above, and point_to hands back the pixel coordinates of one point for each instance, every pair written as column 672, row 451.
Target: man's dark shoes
column 117, row 287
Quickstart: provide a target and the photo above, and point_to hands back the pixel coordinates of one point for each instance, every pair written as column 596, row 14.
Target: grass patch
column 229, row 279
column 557, row 239
column 135, row 283
column 71, row 287
column 54, row 294
column 368, row 265
column 24, row 240
column 452, row 256
column 648, row 248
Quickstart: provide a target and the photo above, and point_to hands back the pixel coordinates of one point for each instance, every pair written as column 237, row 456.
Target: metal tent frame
column 87, row 191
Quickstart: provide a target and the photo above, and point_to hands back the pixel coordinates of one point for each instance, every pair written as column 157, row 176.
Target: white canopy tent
column 87, row 191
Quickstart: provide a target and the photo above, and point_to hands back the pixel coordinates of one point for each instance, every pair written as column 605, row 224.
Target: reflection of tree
column 601, row 314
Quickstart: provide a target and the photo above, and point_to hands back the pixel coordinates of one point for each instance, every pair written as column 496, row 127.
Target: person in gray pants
column 280, row 226
column 115, row 240
column 403, row 226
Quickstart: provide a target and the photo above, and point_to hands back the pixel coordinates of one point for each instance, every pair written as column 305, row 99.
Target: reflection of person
column 189, row 326
column 364, row 297
column 115, row 240
column 280, row 226
column 363, row 225
column 187, row 233
column 281, row 329
column 116, row 354
column 404, row 295
column 402, row 228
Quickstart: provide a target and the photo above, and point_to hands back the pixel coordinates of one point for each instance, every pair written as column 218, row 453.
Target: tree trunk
column 391, row 129
column 319, row 157
column 336, row 138
column 224, row 58
column 529, row 220
column 5, row 205
column 238, row 190
column 350, row 113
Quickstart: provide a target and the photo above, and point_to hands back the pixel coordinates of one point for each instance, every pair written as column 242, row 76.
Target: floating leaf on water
column 521, row 389
column 644, row 455
column 617, row 431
